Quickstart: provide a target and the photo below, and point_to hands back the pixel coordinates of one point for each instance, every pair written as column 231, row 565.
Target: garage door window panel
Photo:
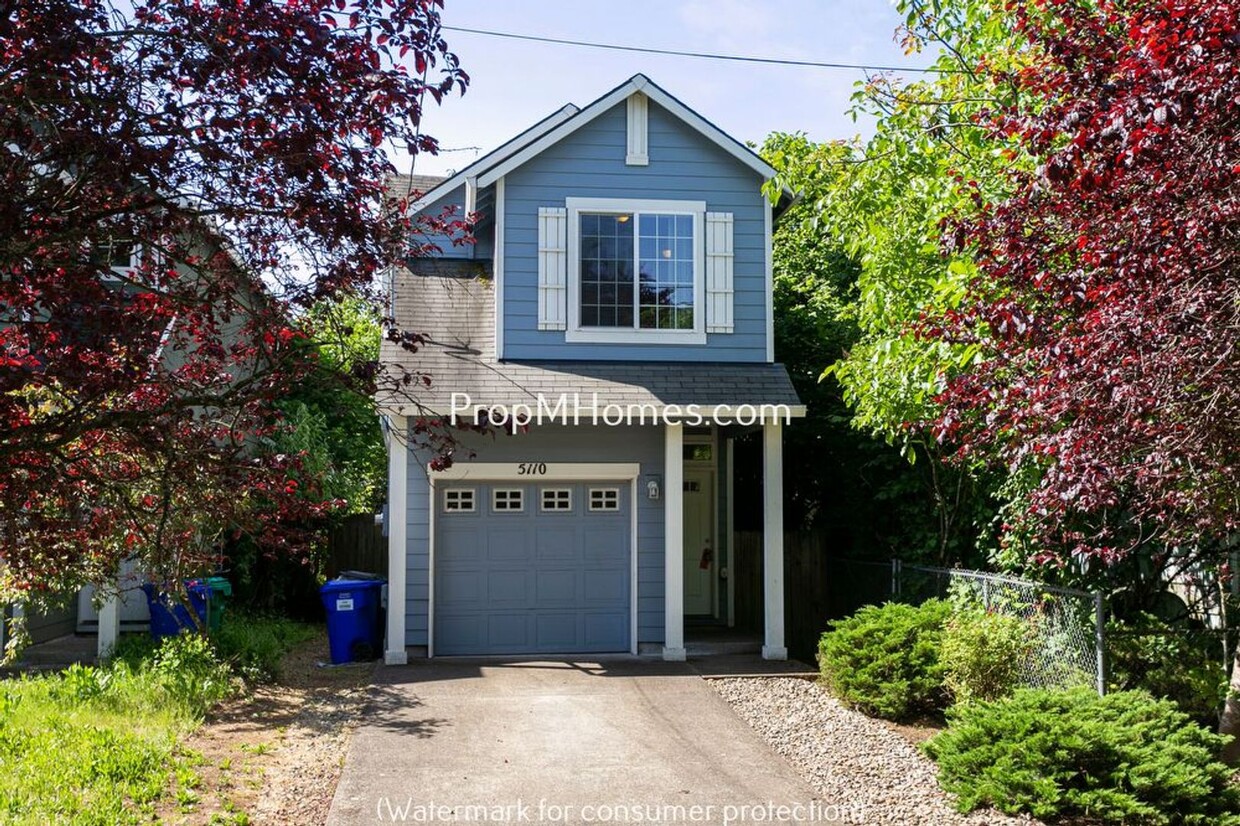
column 604, row 500
column 459, row 500
column 508, row 500
column 557, row 500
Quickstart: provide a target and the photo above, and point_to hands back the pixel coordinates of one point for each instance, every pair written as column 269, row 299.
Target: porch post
column 673, row 543
column 398, row 464
column 109, row 618
column 773, row 647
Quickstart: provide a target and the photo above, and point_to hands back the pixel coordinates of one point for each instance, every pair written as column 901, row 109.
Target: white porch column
column 773, row 647
column 109, row 618
column 673, row 542
column 398, row 481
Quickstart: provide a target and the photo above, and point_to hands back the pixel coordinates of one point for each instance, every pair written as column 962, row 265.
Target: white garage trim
column 533, row 473
column 397, row 434
column 539, row 471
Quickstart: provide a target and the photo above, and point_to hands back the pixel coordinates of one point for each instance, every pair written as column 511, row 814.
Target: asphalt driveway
column 586, row 741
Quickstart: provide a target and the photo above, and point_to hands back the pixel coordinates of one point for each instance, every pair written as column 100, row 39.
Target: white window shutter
column 719, row 272
column 552, row 268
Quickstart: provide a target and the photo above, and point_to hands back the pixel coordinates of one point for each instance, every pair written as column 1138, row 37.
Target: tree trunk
column 1229, row 723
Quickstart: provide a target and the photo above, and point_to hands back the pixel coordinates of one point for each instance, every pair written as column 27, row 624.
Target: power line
column 701, row 55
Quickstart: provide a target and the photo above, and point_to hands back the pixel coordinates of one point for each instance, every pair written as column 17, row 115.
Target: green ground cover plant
column 1124, row 758
column 98, row 746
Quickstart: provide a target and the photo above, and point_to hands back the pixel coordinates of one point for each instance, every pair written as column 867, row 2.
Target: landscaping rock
column 848, row 757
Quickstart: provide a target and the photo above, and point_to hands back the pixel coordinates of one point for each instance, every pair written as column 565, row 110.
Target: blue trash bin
column 169, row 616
column 354, row 619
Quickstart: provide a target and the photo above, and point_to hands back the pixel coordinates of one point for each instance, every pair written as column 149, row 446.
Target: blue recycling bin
column 354, row 618
column 170, row 616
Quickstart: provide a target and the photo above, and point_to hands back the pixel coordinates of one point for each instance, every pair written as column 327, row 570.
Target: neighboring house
column 623, row 261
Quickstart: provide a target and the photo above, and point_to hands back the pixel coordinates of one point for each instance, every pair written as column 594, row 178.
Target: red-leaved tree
column 1108, row 289
column 1107, row 299
column 180, row 178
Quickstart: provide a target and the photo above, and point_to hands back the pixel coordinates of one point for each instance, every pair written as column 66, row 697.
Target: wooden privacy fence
column 357, row 543
column 817, row 587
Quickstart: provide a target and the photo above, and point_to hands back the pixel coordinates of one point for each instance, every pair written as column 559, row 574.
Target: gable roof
column 498, row 167
column 506, row 150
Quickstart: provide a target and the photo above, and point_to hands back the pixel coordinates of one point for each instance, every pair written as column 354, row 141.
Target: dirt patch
column 917, row 731
column 273, row 756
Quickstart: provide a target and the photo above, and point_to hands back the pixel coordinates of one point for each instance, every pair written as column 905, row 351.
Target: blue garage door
column 532, row 568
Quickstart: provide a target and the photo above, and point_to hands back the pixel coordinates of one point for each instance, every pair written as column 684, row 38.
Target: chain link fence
column 1181, row 650
column 1065, row 627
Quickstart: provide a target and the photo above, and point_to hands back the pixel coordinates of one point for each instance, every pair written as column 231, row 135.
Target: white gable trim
column 470, row 172
column 638, row 138
column 638, row 83
column 497, row 267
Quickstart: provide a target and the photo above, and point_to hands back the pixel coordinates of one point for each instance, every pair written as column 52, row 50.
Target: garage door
column 532, row 568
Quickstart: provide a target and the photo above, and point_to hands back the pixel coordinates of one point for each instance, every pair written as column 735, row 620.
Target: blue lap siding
column 589, row 163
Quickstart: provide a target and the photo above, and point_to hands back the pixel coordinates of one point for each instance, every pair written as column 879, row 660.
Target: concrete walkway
column 613, row 741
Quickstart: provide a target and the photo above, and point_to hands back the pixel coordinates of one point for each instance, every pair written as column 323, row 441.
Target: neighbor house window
column 116, row 254
column 637, row 270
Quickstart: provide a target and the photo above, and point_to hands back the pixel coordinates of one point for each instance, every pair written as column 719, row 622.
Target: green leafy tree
column 882, row 206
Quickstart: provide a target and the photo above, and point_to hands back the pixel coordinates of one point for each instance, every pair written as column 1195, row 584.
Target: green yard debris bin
column 210, row 597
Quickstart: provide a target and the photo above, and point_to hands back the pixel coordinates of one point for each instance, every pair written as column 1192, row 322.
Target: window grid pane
column 604, row 499
column 506, row 499
column 459, row 500
column 606, row 270
column 665, row 267
column 557, row 499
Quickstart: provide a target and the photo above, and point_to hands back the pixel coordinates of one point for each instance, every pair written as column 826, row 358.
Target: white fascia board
column 495, row 156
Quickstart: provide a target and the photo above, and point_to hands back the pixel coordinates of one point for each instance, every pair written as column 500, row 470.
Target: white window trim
column 575, row 333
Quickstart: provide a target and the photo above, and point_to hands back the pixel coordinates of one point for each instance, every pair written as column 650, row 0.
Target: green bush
column 884, row 660
column 255, row 645
column 982, row 654
column 1169, row 661
column 1124, row 758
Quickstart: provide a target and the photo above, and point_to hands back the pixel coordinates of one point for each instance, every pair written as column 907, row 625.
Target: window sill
column 600, row 335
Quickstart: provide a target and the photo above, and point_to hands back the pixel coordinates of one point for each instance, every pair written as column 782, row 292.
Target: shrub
column 884, row 660
column 1123, row 758
column 255, row 645
column 982, row 654
column 1168, row 661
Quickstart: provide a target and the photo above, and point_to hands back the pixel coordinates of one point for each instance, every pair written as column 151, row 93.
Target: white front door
column 700, row 562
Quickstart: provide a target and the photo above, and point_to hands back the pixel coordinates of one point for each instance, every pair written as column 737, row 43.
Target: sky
column 513, row 84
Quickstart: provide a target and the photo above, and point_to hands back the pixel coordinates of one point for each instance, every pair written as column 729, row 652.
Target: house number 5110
column 532, row 469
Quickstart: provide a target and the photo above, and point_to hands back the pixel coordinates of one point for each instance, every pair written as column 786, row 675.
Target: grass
column 99, row 746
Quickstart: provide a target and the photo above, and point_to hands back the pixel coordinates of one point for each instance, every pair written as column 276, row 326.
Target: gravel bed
column 847, row 757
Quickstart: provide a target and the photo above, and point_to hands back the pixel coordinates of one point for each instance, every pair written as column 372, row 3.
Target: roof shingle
column 450, row 303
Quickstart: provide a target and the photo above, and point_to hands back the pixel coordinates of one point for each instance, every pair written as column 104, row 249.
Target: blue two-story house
column 613, row 321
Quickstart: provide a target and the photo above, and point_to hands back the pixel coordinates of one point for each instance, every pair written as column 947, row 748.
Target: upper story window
column 635, row 271
column 120, row 255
